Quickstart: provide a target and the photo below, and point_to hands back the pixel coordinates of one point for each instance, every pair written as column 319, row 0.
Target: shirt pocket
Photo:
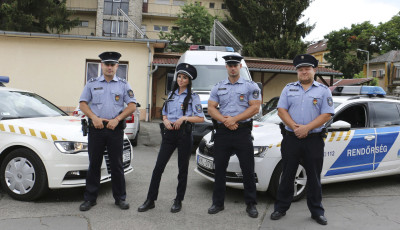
column 223, row 96
column 118, row 97
column 314, row 100
column 241, row 98
column 98, row 95
column 293, row 98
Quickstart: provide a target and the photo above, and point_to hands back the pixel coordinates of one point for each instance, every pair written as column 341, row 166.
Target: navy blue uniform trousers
column 98, row 140
column 172, row 139
column 311, row 151
column 240, row 143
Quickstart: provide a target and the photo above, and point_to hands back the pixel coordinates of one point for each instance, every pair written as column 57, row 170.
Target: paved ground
column 366, row 204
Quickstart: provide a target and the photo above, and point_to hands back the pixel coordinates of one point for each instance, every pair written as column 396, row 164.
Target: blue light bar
column 230, row 49
column 4, row 79
column 372, row 90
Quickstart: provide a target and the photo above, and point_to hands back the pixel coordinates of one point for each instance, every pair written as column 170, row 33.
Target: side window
column 385, row 114
column 356, row 115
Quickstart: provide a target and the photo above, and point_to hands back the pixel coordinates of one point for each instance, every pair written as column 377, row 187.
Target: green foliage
column 388, row 34
column 269, row 28
column 359, row 75
column 194, row 26
column 343, row 45
column 45, row 16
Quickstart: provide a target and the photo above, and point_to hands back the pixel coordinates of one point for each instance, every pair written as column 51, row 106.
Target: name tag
column 221, row 88
column 293, row 90
column 99, row 88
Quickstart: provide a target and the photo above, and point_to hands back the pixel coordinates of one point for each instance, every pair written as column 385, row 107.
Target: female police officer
column 180, row 110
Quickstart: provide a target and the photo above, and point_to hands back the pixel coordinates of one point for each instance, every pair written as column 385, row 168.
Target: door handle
column 369, row 138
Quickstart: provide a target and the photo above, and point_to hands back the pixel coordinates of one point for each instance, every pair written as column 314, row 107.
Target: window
column 83, row 23
column 223, row 6
column 212, row 5
column 174, row 28
column 164, row 2
column 178, row 2
column 111, row 6
column 143, row 28
column 93, row 70
column 160, row 28
column 386, row 114
column 373, row 73
column 114, row 28
column 397, row 73
column 355, row 115
column 381, row 73
column 197, row 3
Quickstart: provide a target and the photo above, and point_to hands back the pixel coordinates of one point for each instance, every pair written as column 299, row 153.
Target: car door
column 386, row 120
column 350, row 152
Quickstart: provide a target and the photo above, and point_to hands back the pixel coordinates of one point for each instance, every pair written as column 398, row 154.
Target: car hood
column 50, row 128
column 266, row 134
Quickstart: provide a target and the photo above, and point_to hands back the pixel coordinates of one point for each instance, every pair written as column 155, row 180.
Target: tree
column 343, row 45
column 269, row 28
column 194, row 26
column 35, row 16
column 388, row 34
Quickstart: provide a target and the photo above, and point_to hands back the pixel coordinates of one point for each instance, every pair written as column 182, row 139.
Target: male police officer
column 304, row 106
column 102, row 101
column 238, row 100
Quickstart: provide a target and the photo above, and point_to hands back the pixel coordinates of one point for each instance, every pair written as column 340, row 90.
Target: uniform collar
column 314, row 83
column 177, row 91
column 240, row 81
column 115, row 78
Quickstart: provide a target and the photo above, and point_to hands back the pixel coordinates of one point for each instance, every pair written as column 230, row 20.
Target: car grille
column 230, row 176
column 206, row 150
column 126, row 148
column 205, row 111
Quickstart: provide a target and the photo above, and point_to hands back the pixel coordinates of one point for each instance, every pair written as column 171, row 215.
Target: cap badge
column 187, row 66
column 302, row 57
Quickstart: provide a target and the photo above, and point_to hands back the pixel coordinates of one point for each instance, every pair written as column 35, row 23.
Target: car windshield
column 16, row 104
column 209, row 75
column 272, row 117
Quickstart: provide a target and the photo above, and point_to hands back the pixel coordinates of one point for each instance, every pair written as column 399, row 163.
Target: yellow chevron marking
column 22, row 130
column 270, row 146
column 64, row 139
column 43, row 134
column 11, row 128
column 2, row 127
column 33, row 134
column 340, row 136
column 53, row 137
column 347, row 135
column 278, row 145
column 332, row 137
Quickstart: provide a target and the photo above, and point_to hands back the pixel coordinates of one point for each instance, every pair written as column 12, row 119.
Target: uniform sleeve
column 254, row 94
column 283, row 100
column 163, row 110
column 86, row 94
column 213, row 94
column 129, row 96
column 327, row 103
column 196, row 106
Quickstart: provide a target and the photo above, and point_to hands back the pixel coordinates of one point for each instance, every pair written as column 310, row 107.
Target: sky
column 333, row 15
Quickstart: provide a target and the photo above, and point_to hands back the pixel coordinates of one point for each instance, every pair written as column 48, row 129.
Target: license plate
column 126, row 157
column 204, row 162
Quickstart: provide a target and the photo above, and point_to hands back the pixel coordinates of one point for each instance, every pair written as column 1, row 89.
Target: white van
column 211, row 69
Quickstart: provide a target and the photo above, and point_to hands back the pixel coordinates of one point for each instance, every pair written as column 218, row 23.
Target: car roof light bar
column 359, row 90
column 211, row 48
column 4, row 79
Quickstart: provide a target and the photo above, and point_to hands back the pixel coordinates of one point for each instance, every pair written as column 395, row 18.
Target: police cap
column 305, row 60
column 187, row 69
column 232, row 59
column 110, row 57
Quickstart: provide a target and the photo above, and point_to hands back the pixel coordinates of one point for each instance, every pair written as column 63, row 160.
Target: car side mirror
column 339, row 126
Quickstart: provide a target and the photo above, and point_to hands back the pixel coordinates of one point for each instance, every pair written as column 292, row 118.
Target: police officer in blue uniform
column 181, row 109
column 238, row 101
column 102, row 101
column 304, row 106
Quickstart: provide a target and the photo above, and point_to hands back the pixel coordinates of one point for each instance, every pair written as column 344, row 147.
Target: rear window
column 386, row 114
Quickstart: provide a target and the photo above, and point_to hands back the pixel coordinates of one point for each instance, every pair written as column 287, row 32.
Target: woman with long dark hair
column 180, row 110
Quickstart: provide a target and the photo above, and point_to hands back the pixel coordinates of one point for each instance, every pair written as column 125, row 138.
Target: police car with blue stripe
column 41, row 147
column 362, row 141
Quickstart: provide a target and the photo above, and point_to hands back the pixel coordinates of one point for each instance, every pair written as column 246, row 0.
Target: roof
column 342, row 82
column 317, row 47
column 254, row 64
column 391, row 56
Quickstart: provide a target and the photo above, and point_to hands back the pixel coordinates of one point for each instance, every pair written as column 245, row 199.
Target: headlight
column 71, row 147
column 260, row 151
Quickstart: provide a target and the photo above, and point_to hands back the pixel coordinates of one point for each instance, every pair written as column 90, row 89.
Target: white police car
column 362, row 142
column 42, row 147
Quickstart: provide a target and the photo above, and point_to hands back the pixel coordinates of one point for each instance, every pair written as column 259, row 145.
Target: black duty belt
column 121, row 124
column 247, row 124
column 309, row 135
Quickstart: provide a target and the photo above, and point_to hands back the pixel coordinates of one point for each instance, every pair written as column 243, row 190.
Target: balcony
column 82, row 6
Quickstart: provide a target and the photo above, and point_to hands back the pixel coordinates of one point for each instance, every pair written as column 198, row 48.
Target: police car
column 41, row 147
column 362, row 142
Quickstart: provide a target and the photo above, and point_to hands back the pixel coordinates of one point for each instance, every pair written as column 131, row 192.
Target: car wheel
column 300, row 182
column 23, row 175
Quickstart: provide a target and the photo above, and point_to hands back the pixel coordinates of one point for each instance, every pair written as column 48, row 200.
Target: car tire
column 23, row 175
column 134, row 142
column 300, row 183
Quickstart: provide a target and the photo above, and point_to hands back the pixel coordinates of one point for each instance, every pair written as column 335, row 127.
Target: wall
column 55, row 67
column 275, row 86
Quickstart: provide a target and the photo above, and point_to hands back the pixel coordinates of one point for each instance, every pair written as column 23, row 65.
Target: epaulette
column 219, row 82
column 92, row 79
column 323, row 85
column 194, row 94
column 121, row 79
column 291, row 83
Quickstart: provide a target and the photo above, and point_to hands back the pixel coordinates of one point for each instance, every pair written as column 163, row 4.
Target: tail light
column 130, row 119
column 75, row 113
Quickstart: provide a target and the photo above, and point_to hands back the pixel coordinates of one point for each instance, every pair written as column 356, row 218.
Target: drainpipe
column 149, row 73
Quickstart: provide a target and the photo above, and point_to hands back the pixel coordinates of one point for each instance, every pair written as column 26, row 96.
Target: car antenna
column 216, row 57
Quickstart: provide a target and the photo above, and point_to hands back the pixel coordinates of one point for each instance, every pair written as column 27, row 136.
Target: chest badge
column 116, row 97
column 315, row 101
column 241, row 97
column 181, row 106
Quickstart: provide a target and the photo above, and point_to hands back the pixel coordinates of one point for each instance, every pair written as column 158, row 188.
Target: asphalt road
column 366, row 204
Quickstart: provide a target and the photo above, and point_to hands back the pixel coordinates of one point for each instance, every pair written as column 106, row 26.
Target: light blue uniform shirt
column 233, row 99
column 106, row 99
column 305, row 106
column 175, row 106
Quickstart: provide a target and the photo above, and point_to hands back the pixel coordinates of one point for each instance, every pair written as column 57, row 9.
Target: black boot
column 148, row 204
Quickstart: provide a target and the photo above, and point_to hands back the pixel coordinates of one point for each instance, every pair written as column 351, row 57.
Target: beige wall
column 86, row 4
column 55, row 68
column 275, row 86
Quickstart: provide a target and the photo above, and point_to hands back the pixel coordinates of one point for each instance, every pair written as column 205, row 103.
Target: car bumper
column 200, row 130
